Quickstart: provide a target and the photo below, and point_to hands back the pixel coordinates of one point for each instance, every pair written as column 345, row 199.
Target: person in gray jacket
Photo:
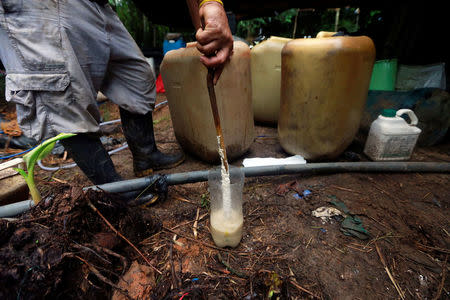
column 59, row 53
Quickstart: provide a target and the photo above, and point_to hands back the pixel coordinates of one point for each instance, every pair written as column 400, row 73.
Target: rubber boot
column 138, row 130
column 92, row 158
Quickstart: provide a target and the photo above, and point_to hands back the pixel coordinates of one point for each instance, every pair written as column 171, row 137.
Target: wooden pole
column 215, row 111
column 336, row 21
column 295, row 24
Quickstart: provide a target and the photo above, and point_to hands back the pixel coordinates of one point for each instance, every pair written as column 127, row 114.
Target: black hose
column 313, row 168
column 133, row 185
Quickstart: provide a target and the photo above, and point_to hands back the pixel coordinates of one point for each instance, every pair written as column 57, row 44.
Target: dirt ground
column 65, row 249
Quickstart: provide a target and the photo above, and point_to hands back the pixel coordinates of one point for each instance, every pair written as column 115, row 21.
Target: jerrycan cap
column 389, row 113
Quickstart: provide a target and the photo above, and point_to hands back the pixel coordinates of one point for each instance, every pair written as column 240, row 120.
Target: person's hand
column 214, row 40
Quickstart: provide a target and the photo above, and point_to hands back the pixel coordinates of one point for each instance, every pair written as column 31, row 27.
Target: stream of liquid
column 226, row 222
column 226, row 183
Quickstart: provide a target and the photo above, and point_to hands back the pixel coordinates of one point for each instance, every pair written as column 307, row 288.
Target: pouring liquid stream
column 226, row 223
column 225, row 171
column 226, row 182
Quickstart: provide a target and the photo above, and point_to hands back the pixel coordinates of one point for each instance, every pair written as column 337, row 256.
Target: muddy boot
column 92, row 158
column 138, row 130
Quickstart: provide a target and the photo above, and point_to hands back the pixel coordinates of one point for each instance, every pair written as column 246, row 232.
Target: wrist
column 204, row 2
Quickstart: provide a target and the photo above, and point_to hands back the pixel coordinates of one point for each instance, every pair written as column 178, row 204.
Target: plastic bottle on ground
column 391, row 137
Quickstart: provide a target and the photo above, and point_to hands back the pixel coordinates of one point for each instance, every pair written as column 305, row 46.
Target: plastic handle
column 412, row 116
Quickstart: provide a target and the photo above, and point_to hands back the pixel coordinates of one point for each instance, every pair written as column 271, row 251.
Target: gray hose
column 15, row 209
column 313, row 168
column 133, row 185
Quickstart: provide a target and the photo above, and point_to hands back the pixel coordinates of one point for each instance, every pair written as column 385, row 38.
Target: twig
column 101, row 277
column 342, row 251
column 384, row 192
column 256, row 261
column 189, row 222
column 233, row 271
column 174, row 239
column 397, row 287
column 294, row 283
column 76, row 245
column 194, row 228
column 441, row 285
column 359, row 247
column 60, row 180
column 175, row 280
column 122, row 236
column 27, row 220
column 386, row 236
column 184, row 200
column 112, row 253
column 198, row 241
column 345, row 189
column 426, row 195
column 379, row 222
column 442, row 250
column 446, row 231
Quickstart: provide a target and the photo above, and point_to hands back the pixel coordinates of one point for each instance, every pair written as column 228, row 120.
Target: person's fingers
column 216, row 60
column 210, row 48
column 215, row 40
column 207, row 35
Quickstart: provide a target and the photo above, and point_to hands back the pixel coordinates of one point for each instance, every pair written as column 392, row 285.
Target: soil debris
column 62, row 247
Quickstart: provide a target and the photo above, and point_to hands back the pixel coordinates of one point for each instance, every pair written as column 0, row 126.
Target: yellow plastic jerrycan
column 184, row 78
column 324, row 86
column 266, row 79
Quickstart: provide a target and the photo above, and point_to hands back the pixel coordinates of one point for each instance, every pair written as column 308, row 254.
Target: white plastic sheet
column 270, row 161
column 421, row 76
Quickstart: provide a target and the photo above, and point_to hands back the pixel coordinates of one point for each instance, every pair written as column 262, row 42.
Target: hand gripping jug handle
column 412, row 116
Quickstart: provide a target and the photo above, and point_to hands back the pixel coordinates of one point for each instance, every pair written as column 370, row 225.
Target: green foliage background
column 145, row 33
column 309, row 23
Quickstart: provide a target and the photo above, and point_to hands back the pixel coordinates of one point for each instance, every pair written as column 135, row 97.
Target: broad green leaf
column 46, row 150
column 33, row 156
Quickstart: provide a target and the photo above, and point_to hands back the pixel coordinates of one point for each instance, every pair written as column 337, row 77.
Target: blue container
column 173, row 44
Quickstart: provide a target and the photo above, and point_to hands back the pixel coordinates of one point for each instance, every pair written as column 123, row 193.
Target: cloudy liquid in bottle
column 226, row 220
column 226, row 227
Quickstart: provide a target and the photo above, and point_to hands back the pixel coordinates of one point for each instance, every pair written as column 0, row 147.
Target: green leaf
column 36, row 154
column 33, row 156
column 46, row 150
column 21, row 172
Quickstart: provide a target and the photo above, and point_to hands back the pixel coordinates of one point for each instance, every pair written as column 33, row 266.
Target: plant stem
column 35, row 195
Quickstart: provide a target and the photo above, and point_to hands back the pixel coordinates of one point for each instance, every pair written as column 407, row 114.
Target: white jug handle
column 410, row 114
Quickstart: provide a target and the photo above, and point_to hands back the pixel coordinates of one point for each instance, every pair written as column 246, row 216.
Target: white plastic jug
column 391, row 137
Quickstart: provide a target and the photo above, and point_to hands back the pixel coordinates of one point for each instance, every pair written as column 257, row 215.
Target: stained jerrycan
column 184, row 78
column 324, row 86
column 266, row 79
column 391, row 137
